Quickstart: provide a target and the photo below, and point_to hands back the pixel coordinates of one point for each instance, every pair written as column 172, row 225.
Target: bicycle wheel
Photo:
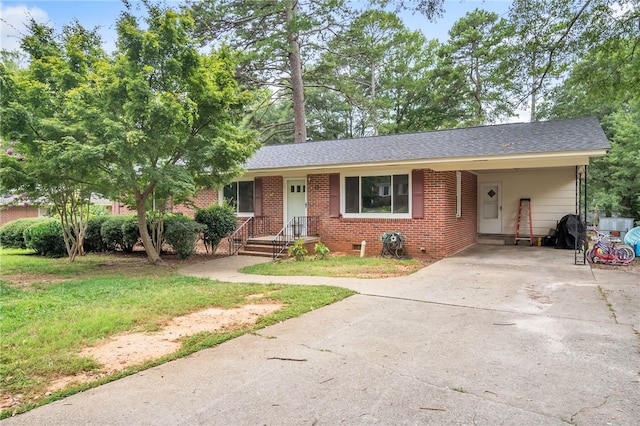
column 589, row 255
column 625, row 253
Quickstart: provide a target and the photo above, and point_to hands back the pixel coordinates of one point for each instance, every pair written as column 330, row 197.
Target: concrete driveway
column 494, row 335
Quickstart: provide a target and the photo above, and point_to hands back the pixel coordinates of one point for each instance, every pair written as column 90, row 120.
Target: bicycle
column 607, row 252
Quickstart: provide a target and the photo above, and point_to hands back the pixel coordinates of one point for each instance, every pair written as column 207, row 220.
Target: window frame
column 237, row 209
column 407, row 193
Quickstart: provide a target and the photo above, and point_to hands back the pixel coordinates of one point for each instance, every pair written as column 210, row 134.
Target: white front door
column 490, row 201
column 296, row 205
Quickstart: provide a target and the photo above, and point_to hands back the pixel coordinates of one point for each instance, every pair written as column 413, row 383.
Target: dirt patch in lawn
column 27, row 281
column 123, row 351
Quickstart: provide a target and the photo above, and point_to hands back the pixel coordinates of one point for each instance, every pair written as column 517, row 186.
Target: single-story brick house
column 15, row 207
column 442, row 190
column 10, row 211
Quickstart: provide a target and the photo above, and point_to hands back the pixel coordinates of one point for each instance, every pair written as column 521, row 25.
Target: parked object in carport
column 632, row 238
column 571, row 233
column 607, row 252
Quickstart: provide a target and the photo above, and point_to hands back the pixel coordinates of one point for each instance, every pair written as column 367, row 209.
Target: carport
column 552, row 192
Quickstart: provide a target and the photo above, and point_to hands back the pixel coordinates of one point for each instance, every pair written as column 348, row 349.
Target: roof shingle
column 578, row 134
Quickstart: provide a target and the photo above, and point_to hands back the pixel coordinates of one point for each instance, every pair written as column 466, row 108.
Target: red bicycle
column 607, row 252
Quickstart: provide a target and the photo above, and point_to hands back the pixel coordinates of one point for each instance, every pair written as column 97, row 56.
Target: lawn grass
column 338, row 266
column 51, row 309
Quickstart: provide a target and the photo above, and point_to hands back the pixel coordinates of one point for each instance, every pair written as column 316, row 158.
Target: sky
column 104, row 13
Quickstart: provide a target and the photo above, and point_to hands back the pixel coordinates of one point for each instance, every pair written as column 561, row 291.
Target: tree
column 605, row 83
column 48, row 154
column 410, row 85
column 270, row 35
column 553, row 34
column 168, row 117
column 374, row 77
column 356, row 60
column 158, row 121
column 279, row 37
column 478, row 52
column 330, row 117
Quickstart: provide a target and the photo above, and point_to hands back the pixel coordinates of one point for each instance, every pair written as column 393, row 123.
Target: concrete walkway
column 494, row 335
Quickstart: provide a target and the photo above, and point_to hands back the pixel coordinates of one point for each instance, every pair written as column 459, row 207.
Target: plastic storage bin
column 615, row 227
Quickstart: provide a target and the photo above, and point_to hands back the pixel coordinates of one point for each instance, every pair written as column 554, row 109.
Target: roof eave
column 489, row 162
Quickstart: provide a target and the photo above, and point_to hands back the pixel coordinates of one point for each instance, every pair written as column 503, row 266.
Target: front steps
column 263, row 246
column 495, row 239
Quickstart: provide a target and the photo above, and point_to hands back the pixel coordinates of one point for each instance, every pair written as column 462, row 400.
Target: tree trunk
column 534, row 87
column 374, row 112
column 297, row 86
column 149, row 248
column 534, row 94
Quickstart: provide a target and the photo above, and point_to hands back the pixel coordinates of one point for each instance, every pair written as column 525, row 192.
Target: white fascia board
column 497, row 162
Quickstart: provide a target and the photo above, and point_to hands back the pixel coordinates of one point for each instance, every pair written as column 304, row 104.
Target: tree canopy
column 154, row 122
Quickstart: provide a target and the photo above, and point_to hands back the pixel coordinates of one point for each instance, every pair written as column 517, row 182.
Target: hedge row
column 119, row 233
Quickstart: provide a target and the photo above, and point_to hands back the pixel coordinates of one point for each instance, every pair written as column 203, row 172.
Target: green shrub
column 320, row 250
column 182, row 233
column 120, row 232
column 130, row 233
column 219, row 220
column 46, row 238
column 12, row 233
column 297, row 250
column 93, row 238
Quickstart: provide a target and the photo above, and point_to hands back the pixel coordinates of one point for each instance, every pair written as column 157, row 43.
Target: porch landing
column 502, row 239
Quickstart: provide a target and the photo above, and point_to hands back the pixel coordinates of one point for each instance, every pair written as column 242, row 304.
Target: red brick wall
column 203, row 199
column 17, row 212
column 272, row 204
column 273, row 201
column 439, row 232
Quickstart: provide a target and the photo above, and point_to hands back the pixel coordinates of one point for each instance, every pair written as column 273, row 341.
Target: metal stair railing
column 297, row 227
column 251, row 227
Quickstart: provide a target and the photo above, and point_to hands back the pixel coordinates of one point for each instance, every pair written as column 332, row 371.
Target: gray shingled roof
column 580, row 134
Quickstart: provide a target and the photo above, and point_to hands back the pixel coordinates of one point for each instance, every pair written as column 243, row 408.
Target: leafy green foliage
column 219, row 220
column 321, row 250
column 182, row 233
column 46, row 238
column 12, row 233
column 477, row 54
column 93, row 241
column 157, row 120
column 616, row 177
column 173, row 115
column 379, row 71
column 297, row 250
column 52, row 156
column 120, row 232
column 604, row 83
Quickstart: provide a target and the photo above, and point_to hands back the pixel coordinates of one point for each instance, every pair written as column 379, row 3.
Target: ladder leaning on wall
column 525, row 203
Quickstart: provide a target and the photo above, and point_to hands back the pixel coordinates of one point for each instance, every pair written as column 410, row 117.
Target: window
column 239, row 195
column 386, row 194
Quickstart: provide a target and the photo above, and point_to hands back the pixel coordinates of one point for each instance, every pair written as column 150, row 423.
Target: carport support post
column 581, row 204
